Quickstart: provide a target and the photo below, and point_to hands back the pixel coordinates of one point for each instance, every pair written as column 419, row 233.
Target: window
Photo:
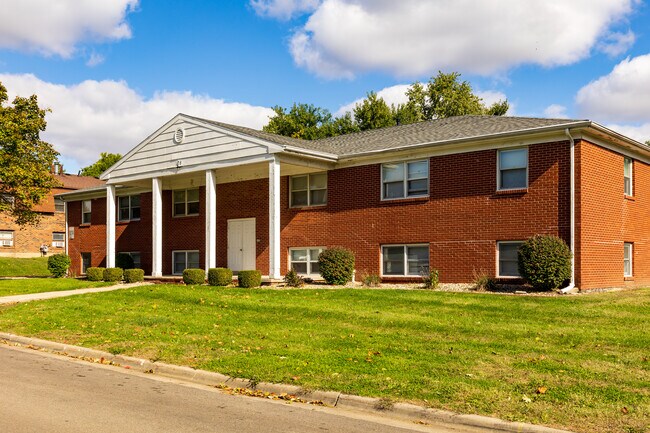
column 7, row 199
column 305, row 261
column 135, row 255
column 405, row 260
column 182, row 260
column 627, row 259
column 59, row 205
column 186, row 202
column 85, row 262
column 508, row 258
column 627, row 173
column 6, row 238
column 58, row 240
column 86, row 210
column 513, row 169
column 309, row 189
column 129, row 208
column 405, row 179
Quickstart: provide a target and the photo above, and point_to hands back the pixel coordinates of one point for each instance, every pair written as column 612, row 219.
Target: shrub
column 249, row 279
column 219, row 276
column 58, row 264
column 95, row 274
column 336, row 265
column 113, row 274
column 483, row 282
column 545, row 262
column 431, row 279
column 370, row 280
column 193, row 276
column 292, row 279
column 124, row 261
column 133, row 275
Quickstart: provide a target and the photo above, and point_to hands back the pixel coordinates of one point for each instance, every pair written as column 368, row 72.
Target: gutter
column 572, row 212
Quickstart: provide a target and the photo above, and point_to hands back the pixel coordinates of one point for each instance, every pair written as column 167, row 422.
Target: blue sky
column 113, row 71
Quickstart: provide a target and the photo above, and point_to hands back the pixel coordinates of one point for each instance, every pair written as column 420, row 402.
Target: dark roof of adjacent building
column 427, row 132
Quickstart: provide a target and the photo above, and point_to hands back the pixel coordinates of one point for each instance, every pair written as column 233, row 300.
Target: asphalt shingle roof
column 433, row 131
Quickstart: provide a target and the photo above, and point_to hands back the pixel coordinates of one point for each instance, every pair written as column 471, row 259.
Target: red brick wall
column 461, row 220
column 607, row 219
column 28, row 239
column 135, row 236
column 88, row 238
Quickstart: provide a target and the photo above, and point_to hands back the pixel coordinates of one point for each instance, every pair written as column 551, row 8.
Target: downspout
column 572, row 211
column 67, row 235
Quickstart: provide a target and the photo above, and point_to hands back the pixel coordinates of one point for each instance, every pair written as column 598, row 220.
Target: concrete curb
column 329, row 398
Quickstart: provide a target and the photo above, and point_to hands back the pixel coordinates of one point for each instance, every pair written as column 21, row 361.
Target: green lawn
column 38, row 285
column 16, row 267
column 577, row 362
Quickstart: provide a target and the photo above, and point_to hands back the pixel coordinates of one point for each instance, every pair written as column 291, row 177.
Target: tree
column 25, row 159
column 373, row 113
column 304, row 121
column 105, row 161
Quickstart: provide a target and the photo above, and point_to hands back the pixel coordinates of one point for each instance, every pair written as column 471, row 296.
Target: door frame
column 254, row 220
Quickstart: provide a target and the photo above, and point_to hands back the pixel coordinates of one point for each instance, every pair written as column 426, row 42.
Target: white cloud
column 95, row 59
column 392, row 95
column 108, row 116
column 621, row 96
column 342, row 38
column 640, row 132
column 556, row 111
column 283, row 9
column 617, row 43
column 50, row 27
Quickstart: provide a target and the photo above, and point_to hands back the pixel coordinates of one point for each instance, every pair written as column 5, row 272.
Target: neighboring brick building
column 25, row 241
column 456, row 194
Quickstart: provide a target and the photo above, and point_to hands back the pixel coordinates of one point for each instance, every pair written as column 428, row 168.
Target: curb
column 330, row 398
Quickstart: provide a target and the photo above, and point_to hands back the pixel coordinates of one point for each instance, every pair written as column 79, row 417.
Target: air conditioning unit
column 58, row 244
column 7, row 243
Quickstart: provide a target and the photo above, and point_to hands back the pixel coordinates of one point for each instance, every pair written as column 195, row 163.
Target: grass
column 578, row 362
column 24, row 267
column 38, row 285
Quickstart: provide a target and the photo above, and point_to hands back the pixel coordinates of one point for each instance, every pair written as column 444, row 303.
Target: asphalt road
column 40, row 392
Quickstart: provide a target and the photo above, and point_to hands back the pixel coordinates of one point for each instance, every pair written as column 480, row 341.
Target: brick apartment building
column 457, row 194
column 25, row 241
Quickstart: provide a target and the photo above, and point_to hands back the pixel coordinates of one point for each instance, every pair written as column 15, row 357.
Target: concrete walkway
column 16, row 299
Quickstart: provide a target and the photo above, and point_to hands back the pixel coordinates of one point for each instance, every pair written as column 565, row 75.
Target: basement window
column 6, row 238
column 305, row 261
column 508, row 258
column 405, row 260
column 627, row 259
column 182, row 260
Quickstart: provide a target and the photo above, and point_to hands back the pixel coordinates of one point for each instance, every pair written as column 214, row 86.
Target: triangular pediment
column 186, row 144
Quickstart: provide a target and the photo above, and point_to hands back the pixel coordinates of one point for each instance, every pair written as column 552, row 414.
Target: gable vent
column 179, row 136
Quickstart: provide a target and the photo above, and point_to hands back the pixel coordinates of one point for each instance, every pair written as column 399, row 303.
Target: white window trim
column 7, row 241
column 89, row 213
column 499, row 168
column 130, row 208
column 309, row 274
column 631, row 246
column 405, row 183
column 58, row 243
column 498, row 268
column 61, row 202
column 81, row 262
column 309, row 204
column 381, row 260
column 186, row 214
column 625, row 160
column 182, row 251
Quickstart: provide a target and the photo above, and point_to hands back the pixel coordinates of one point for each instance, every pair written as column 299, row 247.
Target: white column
column 110, row 226
column 156, row 229
column 274, row 218
column 210, row 220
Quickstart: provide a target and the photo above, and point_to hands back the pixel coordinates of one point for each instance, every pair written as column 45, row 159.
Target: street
column 41, row 392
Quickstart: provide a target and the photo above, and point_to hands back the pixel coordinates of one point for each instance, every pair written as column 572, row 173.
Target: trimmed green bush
column 95, row 274
column 113, row 274
column 336, row 265
column 545, row 262
column 58, row 265
column 219, row 276
column 133, row 275
column 292, row 279
column 193, row 276
column 249, row 279
column 124, row 261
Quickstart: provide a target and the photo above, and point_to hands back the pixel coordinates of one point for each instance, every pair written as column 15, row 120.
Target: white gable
column 204, row 146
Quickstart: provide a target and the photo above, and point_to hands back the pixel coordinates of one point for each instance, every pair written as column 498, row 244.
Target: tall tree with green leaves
column 373, row 113
column 304, row 121
column 105, row 161
column 25, row 159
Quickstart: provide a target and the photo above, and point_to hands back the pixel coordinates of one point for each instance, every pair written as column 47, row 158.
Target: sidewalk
column 16, row 299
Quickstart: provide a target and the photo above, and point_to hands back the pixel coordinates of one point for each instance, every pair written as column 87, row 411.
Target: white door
column 241, row 244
